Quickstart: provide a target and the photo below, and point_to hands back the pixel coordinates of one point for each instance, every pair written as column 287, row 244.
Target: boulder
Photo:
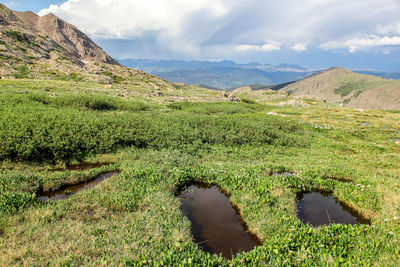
column 233, row 98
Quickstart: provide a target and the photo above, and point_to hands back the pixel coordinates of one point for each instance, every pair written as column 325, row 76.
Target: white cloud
column 299, row 47
column 267, row 47
column 132, row 18
column 201, row 27
column 11, row 4
column 388, row 29
column 356, row 44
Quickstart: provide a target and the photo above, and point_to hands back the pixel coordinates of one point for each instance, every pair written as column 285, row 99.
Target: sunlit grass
column 134, row 218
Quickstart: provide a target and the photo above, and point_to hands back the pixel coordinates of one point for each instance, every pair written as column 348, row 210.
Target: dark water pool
column 68, row 191
column 216, row 226
column 321, row 208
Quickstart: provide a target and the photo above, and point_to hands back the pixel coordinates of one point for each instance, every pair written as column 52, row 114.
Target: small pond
column 68, row 191
column 320, row 208
column 216, row 225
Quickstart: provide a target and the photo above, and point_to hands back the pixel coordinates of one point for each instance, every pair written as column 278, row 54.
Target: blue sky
column 357, row 34
column 32, row 5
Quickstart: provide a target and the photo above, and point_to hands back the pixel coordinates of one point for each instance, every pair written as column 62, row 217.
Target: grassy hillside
column 160, row 145
column 349, row 88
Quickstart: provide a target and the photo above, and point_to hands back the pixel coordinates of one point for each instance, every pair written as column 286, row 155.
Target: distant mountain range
column 230, row 75
column 383, row 74
column 219, row 75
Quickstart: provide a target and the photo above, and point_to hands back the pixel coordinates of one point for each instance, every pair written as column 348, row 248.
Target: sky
column 357, row 34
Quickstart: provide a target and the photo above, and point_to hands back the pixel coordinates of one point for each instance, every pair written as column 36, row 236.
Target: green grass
column 22, row 72
column 115, row 78
column 17, row 36
column 34, row 127
column 134, row 218
column 20, row 37
column 247, row 100
column 351, row 83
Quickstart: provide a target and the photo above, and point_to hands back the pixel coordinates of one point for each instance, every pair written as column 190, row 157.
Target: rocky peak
column 66, row 36
column 337, row 71
column 6, row 16
column 26, row 36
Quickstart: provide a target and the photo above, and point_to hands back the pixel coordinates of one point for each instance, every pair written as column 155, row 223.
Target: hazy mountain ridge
column 222, row 78
column 383, row 74
column 229, row 75
column 223, row 75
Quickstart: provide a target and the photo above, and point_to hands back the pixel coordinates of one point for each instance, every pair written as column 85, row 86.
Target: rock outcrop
column 26, row 36
column 66, row 35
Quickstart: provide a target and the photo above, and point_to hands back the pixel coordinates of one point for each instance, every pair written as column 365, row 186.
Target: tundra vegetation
column 159, row 146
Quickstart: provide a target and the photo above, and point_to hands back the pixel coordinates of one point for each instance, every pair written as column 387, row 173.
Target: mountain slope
column 66, row 35
column 351, row 89
column 26, row 36
column 50, row 48
column 386, row 97
column 20, row 43
column 34, row 48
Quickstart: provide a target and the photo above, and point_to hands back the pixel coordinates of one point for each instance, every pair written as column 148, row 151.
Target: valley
column 228, row 75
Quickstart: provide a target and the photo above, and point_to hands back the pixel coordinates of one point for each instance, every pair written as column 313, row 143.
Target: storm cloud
column 212, row 28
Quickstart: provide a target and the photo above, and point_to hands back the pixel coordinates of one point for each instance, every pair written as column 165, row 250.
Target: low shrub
column 248, row 100
column 15, row 202
column 22, row 72
column 38, row 127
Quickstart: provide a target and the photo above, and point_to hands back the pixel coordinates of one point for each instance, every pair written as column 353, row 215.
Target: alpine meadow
column 104, row 165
